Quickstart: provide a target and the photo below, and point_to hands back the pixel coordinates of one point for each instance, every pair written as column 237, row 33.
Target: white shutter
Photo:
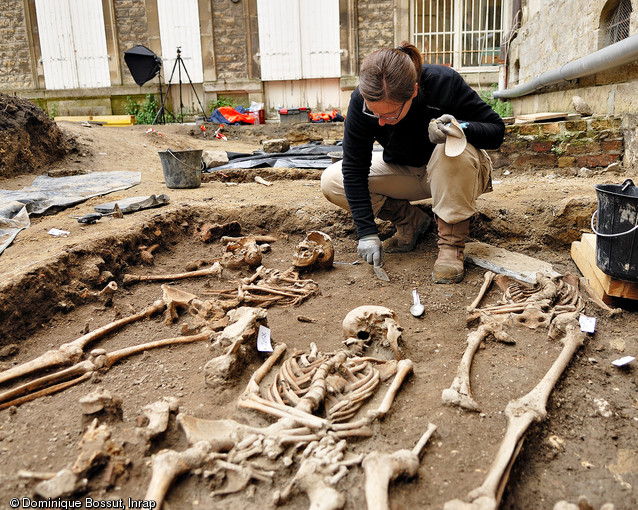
column 179, row 27
column 73, row 43
column 91, row 55
column 279, row 39
column 298, row 39
column 319, row 21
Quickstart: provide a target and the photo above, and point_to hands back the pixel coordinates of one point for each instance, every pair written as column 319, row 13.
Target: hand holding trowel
column 370, row 249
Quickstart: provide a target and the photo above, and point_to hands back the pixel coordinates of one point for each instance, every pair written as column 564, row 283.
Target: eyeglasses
column 367, row 112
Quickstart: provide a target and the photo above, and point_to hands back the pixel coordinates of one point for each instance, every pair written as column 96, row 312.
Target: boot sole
column 456, row 279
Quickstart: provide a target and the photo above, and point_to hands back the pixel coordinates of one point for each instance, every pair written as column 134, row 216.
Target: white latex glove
column 370, row 249
column 437, row 129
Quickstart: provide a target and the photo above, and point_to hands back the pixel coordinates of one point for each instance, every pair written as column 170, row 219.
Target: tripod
column 179, row 64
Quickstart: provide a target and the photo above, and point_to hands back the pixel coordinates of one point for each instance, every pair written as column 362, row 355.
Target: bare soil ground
column 587, row 446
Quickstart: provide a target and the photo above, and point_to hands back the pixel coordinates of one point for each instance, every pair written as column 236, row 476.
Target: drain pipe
column 617, row 54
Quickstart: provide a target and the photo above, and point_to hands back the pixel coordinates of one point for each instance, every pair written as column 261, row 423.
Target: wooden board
column 507, row 262
column 611, row 285
column 107, row 120
column 588, row 272
column 541, row 117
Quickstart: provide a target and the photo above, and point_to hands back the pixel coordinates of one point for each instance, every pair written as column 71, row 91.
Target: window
column 459, row 33
column 616, row 24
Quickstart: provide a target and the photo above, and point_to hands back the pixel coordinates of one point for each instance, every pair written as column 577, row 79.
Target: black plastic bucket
column 617, row 230
column 182, row 169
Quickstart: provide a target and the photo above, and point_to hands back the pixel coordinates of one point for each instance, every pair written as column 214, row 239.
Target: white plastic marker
column 263, row 340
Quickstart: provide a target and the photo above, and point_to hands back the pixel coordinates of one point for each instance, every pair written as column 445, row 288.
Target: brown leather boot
column 448, row 267
column 410, row 221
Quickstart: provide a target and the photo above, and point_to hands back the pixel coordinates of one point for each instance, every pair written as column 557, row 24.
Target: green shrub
column 221, row 101
column 144, row 113
column 503, row 108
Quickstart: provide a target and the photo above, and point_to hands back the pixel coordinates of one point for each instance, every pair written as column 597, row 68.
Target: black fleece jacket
column 441, row 90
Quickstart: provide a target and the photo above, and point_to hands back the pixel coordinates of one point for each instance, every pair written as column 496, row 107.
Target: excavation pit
column 53, row 304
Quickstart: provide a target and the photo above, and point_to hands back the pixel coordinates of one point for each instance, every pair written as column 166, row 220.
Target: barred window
column 459, row 33
column 616, row 25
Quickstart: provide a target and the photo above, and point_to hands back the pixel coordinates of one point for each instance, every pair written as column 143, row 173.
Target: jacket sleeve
column 358, row 140
column 485, row 129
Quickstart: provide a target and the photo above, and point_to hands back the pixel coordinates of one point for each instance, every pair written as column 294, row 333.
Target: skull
column 315, row 250
column 373, row 323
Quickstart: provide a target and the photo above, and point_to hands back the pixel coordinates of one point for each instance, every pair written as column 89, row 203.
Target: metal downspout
column 617, row 54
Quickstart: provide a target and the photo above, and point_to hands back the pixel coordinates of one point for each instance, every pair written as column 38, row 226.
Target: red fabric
column 234, row 116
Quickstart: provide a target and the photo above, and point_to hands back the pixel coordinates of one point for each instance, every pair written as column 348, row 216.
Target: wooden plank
column 588, row 272
column 541, row 117
column 612, row 286
column 506, row 262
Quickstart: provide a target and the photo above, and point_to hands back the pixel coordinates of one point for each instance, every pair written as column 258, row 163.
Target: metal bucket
column 617, row 230
column 182, row 169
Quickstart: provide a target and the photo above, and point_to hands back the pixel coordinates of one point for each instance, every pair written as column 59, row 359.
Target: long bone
column 71, row 352
column 82, row 371
column 215, row 270
column 520, row 414
column 488, row 277
column 381, row 468
column 460, row 393
column 169, row 464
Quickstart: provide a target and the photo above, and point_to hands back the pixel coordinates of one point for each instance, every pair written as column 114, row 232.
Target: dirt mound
column 29, row 139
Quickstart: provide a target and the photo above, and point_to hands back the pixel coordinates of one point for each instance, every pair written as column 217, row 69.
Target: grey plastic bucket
column 617, row 230
column 182, row 169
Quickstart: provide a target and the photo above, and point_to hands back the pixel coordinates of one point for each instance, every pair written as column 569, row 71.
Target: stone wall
column 561, row 148
column 555, row 33
column 231, row 35
column 375, row 26
column 15, row 58
column 132, row 29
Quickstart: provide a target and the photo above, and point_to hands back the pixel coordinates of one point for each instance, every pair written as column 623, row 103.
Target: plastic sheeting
column 48, row 195
column 301, row 156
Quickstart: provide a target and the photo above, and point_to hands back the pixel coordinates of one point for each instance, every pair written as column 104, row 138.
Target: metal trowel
column 381, row 274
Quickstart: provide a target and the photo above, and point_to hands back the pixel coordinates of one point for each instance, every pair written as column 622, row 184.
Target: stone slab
column 502, row 261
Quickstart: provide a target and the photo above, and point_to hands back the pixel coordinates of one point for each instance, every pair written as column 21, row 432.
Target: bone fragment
column 488, row 278
column 520, row 414
column 158, row 414
column 175, row 298
column 596, row 299
column 381, row 468
column 257, row 377
column 146, row 253
column 316, row 250
column 460, row 393
column 215, row 270
column 169, row 464
column 92, row 448
column 64, row 484
column 100, row 400
column 259, row 239
column 45, row 392
column 72, row 352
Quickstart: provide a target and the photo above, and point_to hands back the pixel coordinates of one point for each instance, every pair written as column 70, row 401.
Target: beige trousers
column 453, row 184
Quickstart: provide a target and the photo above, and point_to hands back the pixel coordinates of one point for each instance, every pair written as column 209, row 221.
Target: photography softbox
column 143, row 64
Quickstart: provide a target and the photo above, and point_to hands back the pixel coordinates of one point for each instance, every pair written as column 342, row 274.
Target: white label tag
column 58, row 233
column 621, row 362
column 587, row 324
column 263, row 340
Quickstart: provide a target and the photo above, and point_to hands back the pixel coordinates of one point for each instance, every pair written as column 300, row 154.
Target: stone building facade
column 556, row 33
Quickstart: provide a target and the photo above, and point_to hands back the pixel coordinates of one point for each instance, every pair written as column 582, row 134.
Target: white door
column 299, row 51
column 73, row 43
column 179, row 29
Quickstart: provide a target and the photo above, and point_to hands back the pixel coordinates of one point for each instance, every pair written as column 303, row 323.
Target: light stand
column 179, row 64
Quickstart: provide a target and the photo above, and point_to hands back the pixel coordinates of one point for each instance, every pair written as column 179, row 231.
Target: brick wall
column 229, row 22
column 132, row 29
column 376, row 26
column 15, row 59
column 561, row 147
